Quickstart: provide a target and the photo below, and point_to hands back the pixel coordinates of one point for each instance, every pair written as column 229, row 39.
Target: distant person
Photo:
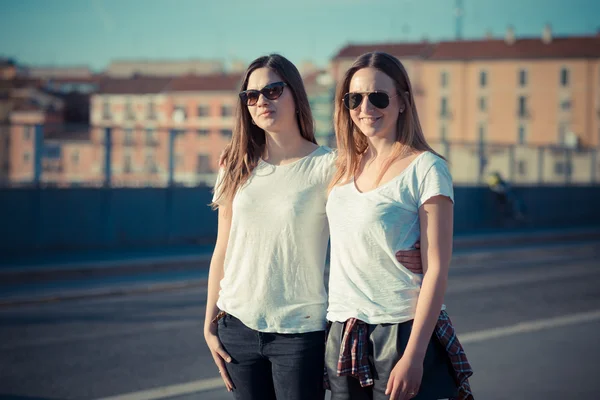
column 390, row 336
column 506, row 197
column 266, row 303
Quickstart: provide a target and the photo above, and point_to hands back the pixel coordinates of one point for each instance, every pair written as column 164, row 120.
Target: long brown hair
column 248, row 141
column 351, row 142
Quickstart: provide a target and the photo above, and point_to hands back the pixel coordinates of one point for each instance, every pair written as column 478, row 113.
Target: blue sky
column 93, row 32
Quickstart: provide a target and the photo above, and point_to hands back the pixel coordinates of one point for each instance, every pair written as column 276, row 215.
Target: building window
column 522, row 134
column 203, row 165
column 106, row 110
column 562, row 168
column 178, row 160
column 129, row 110
column 128, row 137
column 26, row 157
column 203, row 110
column 226, row 110
column 564, row 77
column 482, row 104
column 226, row 132
column 482, row 133
column 483, row 79
column 151, row 139
column 444, row 79
column 27, row 133
column 150, row 163
column 522, row 167
column 127, row 167
column 444, row 106
column 522, row 107
column 179, row 113
column 522, row 78
column 565, row 104
column 151, row 110
column 203, row 132
column 75, row 157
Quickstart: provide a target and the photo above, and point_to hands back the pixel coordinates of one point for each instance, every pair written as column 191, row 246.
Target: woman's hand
column 220, row 356
column 411, row 259
column 405, row 379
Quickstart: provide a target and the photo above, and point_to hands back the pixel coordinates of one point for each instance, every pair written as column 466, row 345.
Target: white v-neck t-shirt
column 367, row 229
column 275, row 259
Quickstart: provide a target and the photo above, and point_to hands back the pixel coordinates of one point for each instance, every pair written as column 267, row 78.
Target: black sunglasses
column 378, row 99
column 272, row 91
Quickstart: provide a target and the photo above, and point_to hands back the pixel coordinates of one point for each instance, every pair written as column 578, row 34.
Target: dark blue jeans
column 270, row 366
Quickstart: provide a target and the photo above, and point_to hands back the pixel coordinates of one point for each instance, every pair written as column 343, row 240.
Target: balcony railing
column 152, row 142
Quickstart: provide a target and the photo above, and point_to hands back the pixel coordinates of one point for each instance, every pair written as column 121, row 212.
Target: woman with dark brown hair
column 266, row 303
column 388, row 338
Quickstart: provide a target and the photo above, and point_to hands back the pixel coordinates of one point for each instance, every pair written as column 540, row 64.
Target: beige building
column 490, row 104
column 31, row 108
column 144, row 113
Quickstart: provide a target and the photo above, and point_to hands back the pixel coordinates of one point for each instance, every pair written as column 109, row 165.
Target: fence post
column 541, row 165
column 107, row 157
column 511, row 160
column 446, row 149
column 593, row 176
column 482, row 161
column 38, row 153
column 568, row 165
column 172, row 134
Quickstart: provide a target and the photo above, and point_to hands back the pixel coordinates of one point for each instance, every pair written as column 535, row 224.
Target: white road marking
column 173, row 390
column 462, row 284
column 530, row 326
column 467, row 338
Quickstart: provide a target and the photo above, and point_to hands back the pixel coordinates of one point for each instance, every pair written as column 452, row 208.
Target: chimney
column 510, row 35
column 547, row 34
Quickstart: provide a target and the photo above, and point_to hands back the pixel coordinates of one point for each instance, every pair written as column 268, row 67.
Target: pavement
column 61, row 277
column 528, row 316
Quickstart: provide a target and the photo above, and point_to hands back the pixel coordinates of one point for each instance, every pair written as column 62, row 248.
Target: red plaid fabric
column 462, row 369
column 354, row 354
column 354, row 359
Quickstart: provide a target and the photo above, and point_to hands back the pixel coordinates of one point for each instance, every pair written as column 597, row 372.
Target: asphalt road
column 528, row 319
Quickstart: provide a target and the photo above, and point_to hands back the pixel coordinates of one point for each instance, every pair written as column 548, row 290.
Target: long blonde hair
column 351, row 142
column 248, row 141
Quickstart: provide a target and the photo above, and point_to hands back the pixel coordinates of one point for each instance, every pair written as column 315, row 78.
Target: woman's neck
column 284, row 145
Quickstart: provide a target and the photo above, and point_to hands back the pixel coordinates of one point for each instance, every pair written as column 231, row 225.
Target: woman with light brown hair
column 388, row 338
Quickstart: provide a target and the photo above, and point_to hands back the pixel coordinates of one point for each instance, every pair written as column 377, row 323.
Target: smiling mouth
column 370, row 119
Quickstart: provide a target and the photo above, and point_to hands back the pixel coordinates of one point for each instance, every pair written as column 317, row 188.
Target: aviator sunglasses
column 379, row 99
column 272, row 91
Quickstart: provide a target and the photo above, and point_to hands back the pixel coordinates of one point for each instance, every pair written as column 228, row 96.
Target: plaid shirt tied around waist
column 354, row 358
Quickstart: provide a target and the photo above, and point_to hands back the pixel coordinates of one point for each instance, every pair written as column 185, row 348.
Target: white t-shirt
column 275, row 260
column 367, row 229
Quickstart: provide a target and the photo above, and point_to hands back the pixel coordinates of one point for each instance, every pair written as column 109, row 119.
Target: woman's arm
column 436, row 219
column 215, row 276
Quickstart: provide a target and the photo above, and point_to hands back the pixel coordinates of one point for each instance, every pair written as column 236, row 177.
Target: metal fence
column 30, row 156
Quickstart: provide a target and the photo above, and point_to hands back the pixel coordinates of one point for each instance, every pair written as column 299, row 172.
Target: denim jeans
column 270, row 366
